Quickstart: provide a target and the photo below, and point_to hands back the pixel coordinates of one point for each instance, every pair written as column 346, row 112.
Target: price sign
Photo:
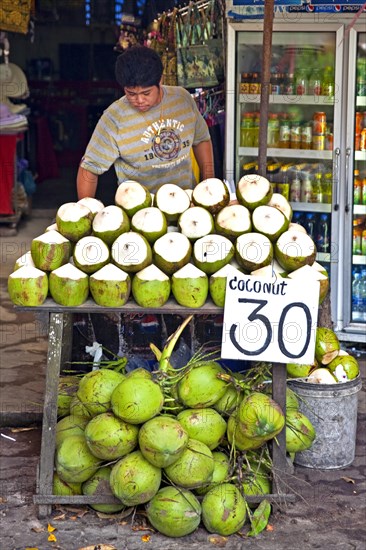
column 270, row 320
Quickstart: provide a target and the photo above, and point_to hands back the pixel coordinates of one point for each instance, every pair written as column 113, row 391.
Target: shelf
column 323, row 257
column 361, row 101
column 311, row 207
column 360, row 155
column 359, row 209
column 288, row 153
column 359, row 260
column 290, row 99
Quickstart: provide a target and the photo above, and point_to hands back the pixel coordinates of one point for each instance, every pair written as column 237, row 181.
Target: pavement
column 329, row 510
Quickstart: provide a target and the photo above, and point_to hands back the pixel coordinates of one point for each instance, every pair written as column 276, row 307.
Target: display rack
column 59, row 354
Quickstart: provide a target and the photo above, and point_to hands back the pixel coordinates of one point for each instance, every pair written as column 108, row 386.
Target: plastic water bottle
column 362, row 295
column 310, row 225
column 356, row 296
column 323, row 236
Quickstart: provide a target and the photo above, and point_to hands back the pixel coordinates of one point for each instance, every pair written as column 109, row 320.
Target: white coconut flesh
column 196, row 222
column 130, row 194
column 173, row 247
column 172, row 199
column 269, row 270
column 296, row 227
column 27, row 272
column 109, row 219
column 110, row 272
column 226, row 271
column 212, row 248
column 210, row 192
column 253, row 188
column 24, row 260
column 307, row 273
column 130, row 249
column 90, row 251
column 69, row 271
column 281, row 203
column 52, row 237
column 94, row 205
column 72, row 212
column 295, row 244
column 319, row 267
column 269, row 220
column 254, row 247
column 51, row 227
column 148, row 219
column 189, row 271
column 152, row 273
column 189, row 193
column 234, row 217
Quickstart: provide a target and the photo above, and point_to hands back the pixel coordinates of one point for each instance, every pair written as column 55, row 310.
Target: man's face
column 142, row 99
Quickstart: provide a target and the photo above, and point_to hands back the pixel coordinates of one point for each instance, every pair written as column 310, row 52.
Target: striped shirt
column 153, row 147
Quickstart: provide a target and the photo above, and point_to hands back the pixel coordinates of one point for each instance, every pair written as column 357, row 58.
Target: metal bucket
column 332, row 409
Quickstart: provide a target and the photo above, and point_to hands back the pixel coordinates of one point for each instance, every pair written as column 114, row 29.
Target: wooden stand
column 59, row 353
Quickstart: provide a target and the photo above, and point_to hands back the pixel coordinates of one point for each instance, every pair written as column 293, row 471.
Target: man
column 147, row 134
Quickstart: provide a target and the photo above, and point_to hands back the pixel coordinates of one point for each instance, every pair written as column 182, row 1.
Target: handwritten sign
column 270, row 320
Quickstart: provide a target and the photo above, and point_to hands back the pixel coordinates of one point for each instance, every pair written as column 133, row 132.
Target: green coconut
column 190, row 286
column 109, row 437
column 326, row 345
column 96, row 388
column 212, row 252
column 193, row 468
column 74, row 221
column 220, row 473
column 110, row 286
column 99, row 484
column 205, row 425
column 217, row 284
column 151, row 287
column 28, row 286
column 300, row 433
column 162, row 440
column 347, row 363
column 174, row 512
column 24, row 260
column 223, row 510
column 256, row 483
column 69, row 286
column 260, row 416
column 110, row 223
column 201, row 387
column 150, row 222
column 140, row 372
column 74, row 461
column 50, row 250
column 137, row 400
column 70, row 425
column 229, row 401
column 94, row 205
column 77, row 408
column 132, row 196
column 237, row 437
column 91, row 254
column 64, row 488
column 134, row 480
column 67, row 388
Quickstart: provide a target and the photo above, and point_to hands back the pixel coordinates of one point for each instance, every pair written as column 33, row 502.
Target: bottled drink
column 323, row 234
column 357, row 187
column 362, row 295
column 315, row 83
column 327, row 85
column 327, row 184
column 306, row 189
column 275, row 82
column 363, row 242
column 295, row 189
column 306, row 136
column 298, row 218
column 310, row 225
column 364, row 191
column 361, row 77
column 273, row 131
column 256, row 129
column 317, row 188
column 246, row 130
column 357, row 236
column 284, row 141
column 295, row 135
column 245, row 83
column 301, row 82
column 255, row 84
column 356, row 297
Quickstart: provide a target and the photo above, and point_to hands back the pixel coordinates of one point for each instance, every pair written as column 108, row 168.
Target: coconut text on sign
column 270, row 320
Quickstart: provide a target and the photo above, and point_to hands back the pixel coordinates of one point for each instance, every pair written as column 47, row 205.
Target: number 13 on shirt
column 270, row 320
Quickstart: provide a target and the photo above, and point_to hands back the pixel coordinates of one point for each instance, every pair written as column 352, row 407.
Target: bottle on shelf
column 357, row 187
column 361, row 77
column 276, row 82
column 288, row 85
column 357, row 236
column 327, row 183
column 363, row 241
column 306, row 136
column 284, row 140
column 364, row 191
column 295, row 135
column 256, row 129
column 315, row 83
column 317, row 188
column 295, row 188
column 298, row 218
column 255, row 84
column 356, row 296
column 245, row 83
column 246, row 130
column 323, row 234
column 273, row 130
column 301, row 82
column 362, row 295
column 327, row 85
column 306, row 188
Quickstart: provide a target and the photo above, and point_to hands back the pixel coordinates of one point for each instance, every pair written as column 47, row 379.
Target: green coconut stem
column 164, row 365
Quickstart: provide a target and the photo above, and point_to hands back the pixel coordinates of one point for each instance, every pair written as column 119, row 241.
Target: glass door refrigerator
column 306, row 153
column 351, row 310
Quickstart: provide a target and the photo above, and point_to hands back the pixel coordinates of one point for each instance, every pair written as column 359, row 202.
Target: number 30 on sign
column 270, row 320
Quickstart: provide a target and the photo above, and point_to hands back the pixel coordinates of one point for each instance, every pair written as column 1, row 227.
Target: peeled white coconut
column 269, row 221
column 190, row 286
column 151, row 287
column 211, row 194
column 24, row 260
column 321, row 376
column 131, row 252
column 74, row 221
column 50, row 250
column 196, row 222
column 296, row 227
column 51, row 227
column 308, row 273
column 94, row 205
column 270, row 270
column 321, row 268
column 253, row 190
column 110, row 222
column 171, row 252
column 172, row 200
column 150, row 222
column 212, row 252
column 189, row 193
column 293, row 249
column 217, row 283
column 28, row 286
column 69, row 286
column 253, row 251
column 91, row 254
column 281, row 203
column 110, row 286
column 233, row 220
column 132, row 196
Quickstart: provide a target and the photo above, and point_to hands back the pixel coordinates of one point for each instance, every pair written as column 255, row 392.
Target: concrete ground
column 329, row 510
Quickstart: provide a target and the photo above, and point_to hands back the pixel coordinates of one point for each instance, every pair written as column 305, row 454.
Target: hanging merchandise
column 15, row 15
column 214, row 40
column 195, row 65
column 162, row 39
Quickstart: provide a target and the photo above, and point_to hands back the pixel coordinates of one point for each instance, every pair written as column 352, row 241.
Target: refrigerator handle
column 348, row 154
column 336, row 180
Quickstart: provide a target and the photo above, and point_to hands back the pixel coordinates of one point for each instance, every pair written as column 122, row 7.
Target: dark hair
column 138, row 66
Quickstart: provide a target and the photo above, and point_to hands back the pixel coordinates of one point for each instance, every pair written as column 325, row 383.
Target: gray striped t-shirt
column 153, row 147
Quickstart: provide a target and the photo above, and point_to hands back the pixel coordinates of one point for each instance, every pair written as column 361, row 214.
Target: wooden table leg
column 59, row 351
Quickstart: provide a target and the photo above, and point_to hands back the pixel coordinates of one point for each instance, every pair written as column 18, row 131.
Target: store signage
column 270, row 320
column 246, row 9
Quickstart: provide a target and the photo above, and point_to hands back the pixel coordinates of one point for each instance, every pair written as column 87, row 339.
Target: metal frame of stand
column 59, row 353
